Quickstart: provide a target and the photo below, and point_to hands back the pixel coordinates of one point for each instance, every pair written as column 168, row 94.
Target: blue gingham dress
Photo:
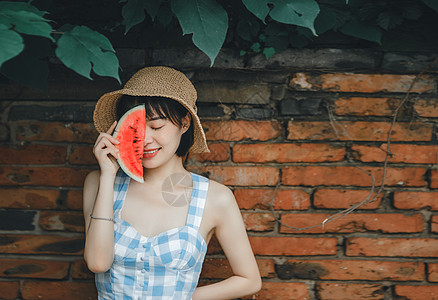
column 165, row 266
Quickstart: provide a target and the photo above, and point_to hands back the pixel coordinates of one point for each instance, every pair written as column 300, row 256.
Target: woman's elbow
column 97, row 265
column 257, row 284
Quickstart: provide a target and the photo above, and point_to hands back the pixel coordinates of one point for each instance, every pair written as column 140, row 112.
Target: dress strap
column 121, row 185
column 197, row 203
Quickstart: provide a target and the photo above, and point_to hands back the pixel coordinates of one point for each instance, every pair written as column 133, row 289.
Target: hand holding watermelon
column 106, row 151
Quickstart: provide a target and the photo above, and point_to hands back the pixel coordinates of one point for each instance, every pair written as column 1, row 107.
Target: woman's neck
column 159, row 174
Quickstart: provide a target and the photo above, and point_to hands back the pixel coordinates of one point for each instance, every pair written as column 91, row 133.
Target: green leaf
column 259, row 8
column 208, row 22
column 31, row 67
column 83, row 49
column 363, row 31
column 297, row 12
column 432, row 4
column 325, row 20
column 11, row 44
column 256, row 47
column 133, row 13
column 25, row 18
column 389, row 20
column 164, row 15
column 268, row 52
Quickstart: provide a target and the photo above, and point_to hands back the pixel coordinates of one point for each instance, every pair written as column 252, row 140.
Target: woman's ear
column 186, row 122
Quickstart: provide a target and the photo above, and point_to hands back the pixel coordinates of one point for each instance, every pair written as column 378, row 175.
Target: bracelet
column 105, row 219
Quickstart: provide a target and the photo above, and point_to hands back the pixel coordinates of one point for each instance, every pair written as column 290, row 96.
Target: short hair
column 165, row 108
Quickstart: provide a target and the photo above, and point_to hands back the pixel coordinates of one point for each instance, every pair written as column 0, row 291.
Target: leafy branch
column 29, row 38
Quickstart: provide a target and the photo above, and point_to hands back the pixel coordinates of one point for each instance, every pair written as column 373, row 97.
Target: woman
column 140, row 243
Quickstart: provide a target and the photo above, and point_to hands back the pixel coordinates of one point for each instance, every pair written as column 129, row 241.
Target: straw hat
column 153, row 81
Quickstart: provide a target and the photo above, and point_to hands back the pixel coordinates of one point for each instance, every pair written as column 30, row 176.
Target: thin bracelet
column 105, row 219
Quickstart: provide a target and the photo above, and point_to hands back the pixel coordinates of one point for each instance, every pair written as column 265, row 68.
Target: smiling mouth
column 151, row 151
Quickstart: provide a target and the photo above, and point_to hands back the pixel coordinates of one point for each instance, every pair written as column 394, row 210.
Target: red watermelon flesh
column 130, row 131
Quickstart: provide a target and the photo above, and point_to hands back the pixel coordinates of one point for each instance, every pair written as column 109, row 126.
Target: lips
column 149, row 153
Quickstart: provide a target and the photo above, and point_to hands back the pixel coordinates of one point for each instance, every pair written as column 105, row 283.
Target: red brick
column 82, row 155
column 417, row 292
column 281, row 291
column 434, row 224
column 28, row 198
column 356, row 222
column 219, row 268
column 261, row 198
column 358, row 131
column 33, row 154
column 363, row 83
column 347, row 291
column 259, row 221
column 262, row 245
column 287, row 153
column 343, row 269
column 41, row 244
column 361, row 106
column 241, row 176
column 416, row 200
column 80, row 270
column 33, row 268
column 340, row 175
column 426, row 108
column 218, row 152
column 62, row 220
column 434, row 179
column 74, row 200
column 411, row 154
column 56, row 132
column 400, row 247
column 432, row 272
column 242, row 130
column 331, row 198
column 9, row 290
column 42, row 176
column 55, row 290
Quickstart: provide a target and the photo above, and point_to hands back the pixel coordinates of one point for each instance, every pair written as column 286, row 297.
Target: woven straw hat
column 153, row 81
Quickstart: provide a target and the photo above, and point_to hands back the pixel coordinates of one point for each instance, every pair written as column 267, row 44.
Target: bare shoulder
column 219, row 195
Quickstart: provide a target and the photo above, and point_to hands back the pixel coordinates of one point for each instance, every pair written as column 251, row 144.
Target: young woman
column 148, row 240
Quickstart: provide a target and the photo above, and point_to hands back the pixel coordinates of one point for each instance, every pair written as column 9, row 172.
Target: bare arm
column 231, row 234
column 98, row 201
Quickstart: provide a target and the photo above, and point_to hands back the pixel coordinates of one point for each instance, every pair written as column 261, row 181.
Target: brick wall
column 299, row 124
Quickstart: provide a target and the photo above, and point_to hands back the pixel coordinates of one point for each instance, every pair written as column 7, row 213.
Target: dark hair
column 165, row 108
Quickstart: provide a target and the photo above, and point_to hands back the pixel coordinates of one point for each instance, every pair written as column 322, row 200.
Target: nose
column 148, row 136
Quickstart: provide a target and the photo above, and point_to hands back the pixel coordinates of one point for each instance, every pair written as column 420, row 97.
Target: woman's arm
column 231, row 234
column 98, row 202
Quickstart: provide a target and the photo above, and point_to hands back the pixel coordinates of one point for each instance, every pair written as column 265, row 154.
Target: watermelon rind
column 130, row 131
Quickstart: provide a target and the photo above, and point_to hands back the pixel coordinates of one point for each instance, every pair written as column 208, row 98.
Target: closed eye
column 156, row 128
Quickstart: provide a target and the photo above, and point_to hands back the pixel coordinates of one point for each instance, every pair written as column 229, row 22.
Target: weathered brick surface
column 400, row 247
column 61, row 220
column 282, row 290
column 9, row 289
column 336, row 198
column 330, row 290
column 416, row 200
column 287, row 153
column 372, row 270
column 293, row 140
column 432, row 272
column 357, row 222
column 293, row 245
column 282, row 199
column 363, row 83
column 55, row 290
column 33, row 268
column 426, row 108
column 33, row 154
column 241, row 130
column 362, row 106
column 340, row 175
column 42, row 176
column 41, row 244
column 417, row 292
column 358, row 131
column 414, row 154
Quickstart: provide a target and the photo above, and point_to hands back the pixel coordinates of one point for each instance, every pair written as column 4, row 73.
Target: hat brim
column 105, row 114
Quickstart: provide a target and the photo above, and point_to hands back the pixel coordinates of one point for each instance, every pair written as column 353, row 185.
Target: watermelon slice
column 130, row 131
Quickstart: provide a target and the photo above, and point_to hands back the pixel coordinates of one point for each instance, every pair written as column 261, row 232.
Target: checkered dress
column 165, row 266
